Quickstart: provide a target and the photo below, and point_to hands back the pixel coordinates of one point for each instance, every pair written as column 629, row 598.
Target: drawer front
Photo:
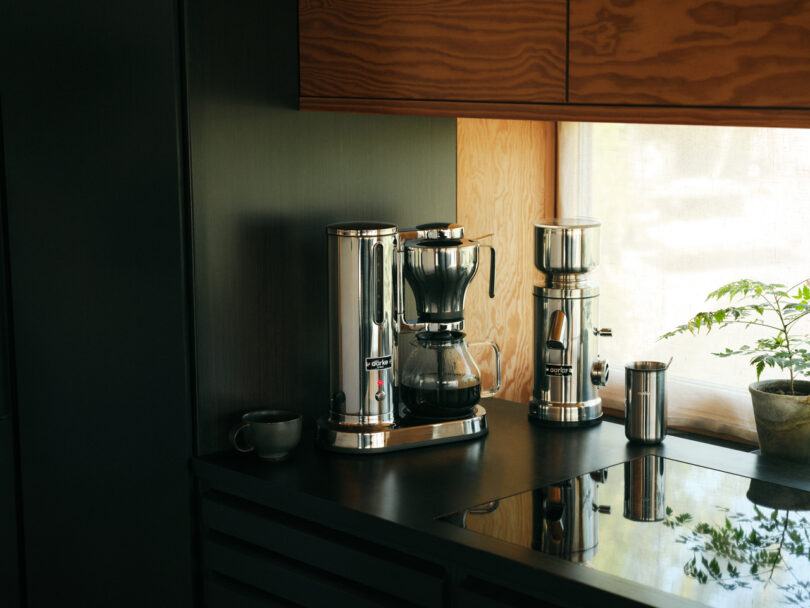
column 474, row 592
column 222, row 592
column 304, row 562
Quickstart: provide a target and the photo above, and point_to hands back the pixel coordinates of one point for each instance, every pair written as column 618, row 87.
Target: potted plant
column 781, row 407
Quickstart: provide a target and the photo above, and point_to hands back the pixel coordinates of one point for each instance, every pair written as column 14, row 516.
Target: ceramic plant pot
column 783, row 421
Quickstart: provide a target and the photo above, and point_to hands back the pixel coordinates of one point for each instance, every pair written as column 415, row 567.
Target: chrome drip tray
column 409, row 433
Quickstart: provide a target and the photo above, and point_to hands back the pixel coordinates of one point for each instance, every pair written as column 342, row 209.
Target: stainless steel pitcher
column 645, row 401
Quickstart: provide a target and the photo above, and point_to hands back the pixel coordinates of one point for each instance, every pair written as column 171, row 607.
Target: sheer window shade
column 685, row 210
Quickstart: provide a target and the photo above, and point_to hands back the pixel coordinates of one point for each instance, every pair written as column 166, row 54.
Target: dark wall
column 10, row 579
column 9, row 560
column 94, row 188
column 266, row 180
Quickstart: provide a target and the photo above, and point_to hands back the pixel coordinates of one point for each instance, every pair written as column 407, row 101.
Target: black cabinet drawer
column 300, row 560
column 223, row 592
column 474, row 592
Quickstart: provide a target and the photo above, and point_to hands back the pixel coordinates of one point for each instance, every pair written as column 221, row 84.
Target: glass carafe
column 440, row 379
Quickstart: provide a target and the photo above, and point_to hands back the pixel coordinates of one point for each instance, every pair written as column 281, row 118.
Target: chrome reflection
column 644, row 490
column 560, row 519
column 566, row 522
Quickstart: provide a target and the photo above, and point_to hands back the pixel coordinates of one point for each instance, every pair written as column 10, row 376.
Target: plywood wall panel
column 506, row 183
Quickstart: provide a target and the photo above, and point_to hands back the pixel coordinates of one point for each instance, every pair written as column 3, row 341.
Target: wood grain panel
column 505, row 183
column 681, row 115
column 691, row 52
column 508, row 50
column 511, row 521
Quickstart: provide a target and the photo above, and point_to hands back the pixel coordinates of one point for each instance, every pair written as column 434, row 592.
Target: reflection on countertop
column 704, row 535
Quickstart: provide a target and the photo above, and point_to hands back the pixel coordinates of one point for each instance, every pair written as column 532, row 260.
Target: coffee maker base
column 566, row 414
column 376, row 439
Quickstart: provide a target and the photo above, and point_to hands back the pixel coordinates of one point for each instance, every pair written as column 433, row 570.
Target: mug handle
column 234, row 437
column 497, row 386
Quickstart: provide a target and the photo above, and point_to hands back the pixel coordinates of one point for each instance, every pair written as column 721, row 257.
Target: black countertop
column 395, row 498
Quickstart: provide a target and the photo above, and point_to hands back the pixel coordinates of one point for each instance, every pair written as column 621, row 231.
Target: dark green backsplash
column 266, row 179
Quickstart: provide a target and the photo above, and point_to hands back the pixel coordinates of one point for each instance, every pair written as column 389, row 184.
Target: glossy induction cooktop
column 705, row 535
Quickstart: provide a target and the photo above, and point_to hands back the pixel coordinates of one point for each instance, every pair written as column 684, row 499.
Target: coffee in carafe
column 440, row 379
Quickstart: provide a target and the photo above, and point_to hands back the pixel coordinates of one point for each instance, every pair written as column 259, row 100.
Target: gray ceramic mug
column 271, row 434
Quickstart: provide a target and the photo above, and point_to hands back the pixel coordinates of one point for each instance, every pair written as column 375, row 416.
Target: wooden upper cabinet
column 733, row 53
column 433, row 50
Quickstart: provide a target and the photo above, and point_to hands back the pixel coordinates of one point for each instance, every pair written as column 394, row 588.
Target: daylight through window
column 685, row 210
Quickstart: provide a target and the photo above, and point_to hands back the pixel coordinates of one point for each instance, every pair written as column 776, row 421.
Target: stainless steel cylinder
column 363, row 329
column 439, row 272
column 567, row 370
column 565, row 356
column 645, row 401
column 566, row 245
column 565, row 519
column 644, row 489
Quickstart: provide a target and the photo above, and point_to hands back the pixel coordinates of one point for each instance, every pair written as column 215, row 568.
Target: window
column 685, row 210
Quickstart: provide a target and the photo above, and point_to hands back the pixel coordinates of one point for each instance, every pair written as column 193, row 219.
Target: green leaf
column 756, row 308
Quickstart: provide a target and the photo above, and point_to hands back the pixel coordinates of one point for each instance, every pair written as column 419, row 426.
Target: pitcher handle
column 497, row 386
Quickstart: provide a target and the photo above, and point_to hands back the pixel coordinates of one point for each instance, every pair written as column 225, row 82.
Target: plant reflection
column 745, row 549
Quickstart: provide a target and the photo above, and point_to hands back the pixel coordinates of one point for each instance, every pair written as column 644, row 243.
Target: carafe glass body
column 440, row 379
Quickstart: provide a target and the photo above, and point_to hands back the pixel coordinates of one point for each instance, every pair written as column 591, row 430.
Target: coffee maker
column 378, row 403
column 567, row 369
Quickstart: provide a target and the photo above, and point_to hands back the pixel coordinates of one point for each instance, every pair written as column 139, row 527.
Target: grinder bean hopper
column 567, row 369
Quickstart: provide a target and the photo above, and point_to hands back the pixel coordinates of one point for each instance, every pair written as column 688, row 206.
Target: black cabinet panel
column 266, row 181
column 10, row 570
column 9, row 559
column 94, row 183
column 288, row 579
column 329, row 553
column 222, row 592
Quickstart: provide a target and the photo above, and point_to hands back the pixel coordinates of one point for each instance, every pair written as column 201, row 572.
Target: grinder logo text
column 377, row 363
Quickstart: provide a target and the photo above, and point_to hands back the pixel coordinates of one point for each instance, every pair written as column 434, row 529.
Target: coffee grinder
column 567, row 370
column 565, row 517
column 377, row 404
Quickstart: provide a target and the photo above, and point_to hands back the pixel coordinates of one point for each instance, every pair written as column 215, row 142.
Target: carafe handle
column 491, row 263
column 497, row 386
column 491, row 270
column 399, row 286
